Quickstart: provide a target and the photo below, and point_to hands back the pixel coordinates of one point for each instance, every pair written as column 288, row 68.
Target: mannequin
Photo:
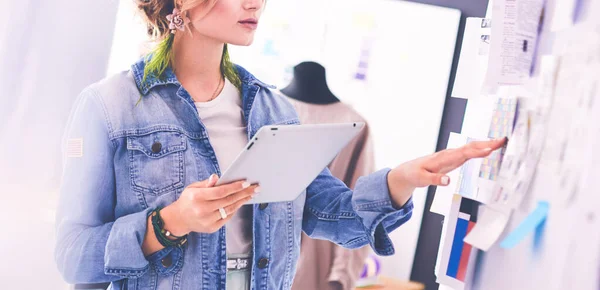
column 309, row 85
column 323, row 265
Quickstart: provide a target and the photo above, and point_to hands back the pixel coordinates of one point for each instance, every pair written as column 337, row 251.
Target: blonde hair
column 155, row 14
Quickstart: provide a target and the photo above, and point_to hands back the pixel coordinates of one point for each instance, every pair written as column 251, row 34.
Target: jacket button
column 262, row 206
column 167, row 261
column 263, row 263
column 156, row 147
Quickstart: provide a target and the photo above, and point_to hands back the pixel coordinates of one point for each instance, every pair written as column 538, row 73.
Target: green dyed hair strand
column 162, row 57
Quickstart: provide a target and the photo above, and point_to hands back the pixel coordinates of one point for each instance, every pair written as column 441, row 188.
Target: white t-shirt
column 224, row 121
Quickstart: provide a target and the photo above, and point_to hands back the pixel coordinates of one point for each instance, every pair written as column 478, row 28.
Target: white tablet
column 285, row 159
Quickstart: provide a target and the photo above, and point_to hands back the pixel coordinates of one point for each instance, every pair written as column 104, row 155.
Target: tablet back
column 284, row 160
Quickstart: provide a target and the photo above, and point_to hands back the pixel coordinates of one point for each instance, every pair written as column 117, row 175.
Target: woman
column 132, row 210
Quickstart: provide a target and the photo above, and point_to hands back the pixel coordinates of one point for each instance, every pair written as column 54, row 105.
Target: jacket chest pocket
column 157, row 162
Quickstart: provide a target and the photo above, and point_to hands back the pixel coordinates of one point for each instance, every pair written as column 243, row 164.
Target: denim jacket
column 115, row 173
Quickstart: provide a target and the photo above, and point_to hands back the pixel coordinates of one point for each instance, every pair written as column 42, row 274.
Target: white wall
column 130, row 40
column 50, row 51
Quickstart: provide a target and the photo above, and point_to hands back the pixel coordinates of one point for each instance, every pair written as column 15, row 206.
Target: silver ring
column 223, row 213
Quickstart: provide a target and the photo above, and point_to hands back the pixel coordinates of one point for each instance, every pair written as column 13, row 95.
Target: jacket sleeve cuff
column 123, row 254
column 167, row 261
column 372, row 202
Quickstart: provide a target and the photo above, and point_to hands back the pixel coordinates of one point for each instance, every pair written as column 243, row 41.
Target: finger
column 498, row 143
column 210, row 182
column 489, row 145
column 476, row 149
column 480, row 149
column 237, row 205
column 470, row 153
column 450, row 159
column 222, row 191
column 233, row 208
column 233, row 198
column 220, row 223
column 437, row 179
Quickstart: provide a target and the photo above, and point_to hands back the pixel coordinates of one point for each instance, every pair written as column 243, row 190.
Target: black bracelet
column 163, row 235
column 160, row 232
column 161, row 224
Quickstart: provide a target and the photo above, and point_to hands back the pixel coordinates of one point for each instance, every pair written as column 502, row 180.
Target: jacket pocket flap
column 157, row 144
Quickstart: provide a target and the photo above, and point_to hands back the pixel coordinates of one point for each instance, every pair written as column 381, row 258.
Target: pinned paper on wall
column 546, row 85
column 568, row 129
column 466, row 184
column 515, row 31
column 461, row 252
column 518, row 167
column 490, row 225
column 478, row 117
column 503, row 118
column 442, row 200
column 528, row 226
column 456, row 258
column 501, row 125
column 472, row 63
column 490, row 166
column 583, row 217
column 439, row 267
column 562, row 14
column 468, row 177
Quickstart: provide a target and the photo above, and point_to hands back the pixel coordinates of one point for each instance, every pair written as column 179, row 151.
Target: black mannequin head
column 309, row 85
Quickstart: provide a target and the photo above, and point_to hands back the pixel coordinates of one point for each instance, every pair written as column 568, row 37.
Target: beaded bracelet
column 162, row 235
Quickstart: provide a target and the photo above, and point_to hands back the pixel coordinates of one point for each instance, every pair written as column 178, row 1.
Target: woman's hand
column 197, row 209
column 432, row 169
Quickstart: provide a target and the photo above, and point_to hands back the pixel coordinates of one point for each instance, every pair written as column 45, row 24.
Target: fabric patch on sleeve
column 75, row 147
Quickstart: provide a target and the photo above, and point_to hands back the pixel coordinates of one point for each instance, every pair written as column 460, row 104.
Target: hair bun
column 155, row 15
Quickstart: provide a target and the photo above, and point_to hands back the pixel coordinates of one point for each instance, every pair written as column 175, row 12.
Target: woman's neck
column 197, row 65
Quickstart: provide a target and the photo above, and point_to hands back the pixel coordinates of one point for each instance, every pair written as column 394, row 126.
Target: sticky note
column 490, row 225
column 527, row 226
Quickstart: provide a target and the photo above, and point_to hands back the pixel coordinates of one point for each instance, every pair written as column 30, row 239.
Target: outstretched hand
column 432, row 169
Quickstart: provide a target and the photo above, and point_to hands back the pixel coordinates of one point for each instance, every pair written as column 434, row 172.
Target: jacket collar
column 168, row 77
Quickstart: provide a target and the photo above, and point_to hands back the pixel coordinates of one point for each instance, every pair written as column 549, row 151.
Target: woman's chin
column 242, row 42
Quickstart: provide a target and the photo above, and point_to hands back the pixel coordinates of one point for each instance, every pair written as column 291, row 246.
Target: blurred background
column 392, row 61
